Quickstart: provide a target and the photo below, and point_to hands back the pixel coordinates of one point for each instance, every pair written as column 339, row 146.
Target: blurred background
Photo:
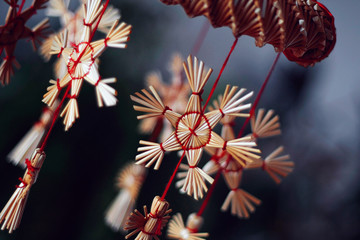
column 319, row 108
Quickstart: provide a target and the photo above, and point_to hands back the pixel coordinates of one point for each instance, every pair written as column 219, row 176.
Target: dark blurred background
column 319, row 109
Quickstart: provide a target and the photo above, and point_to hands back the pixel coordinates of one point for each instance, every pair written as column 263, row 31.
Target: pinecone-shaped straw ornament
column 177, row 229
column 303, row 30
column 27, row 145
column 14, row 29
column 174, row 94
column 81, row 62
column 149, row 225
column 129, row 182
column 12, row 213
column 193, row 129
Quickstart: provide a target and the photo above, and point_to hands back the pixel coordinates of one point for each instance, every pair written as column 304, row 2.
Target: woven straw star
column 193, row 129
column 81, row 62
column 14, row 29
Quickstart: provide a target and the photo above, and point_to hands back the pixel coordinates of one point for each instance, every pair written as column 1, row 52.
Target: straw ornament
column 12, row 213
column 129, row 182
column 25, row 148
column 239, row 201
column 14, row 29
column 265, row 126
column 81, row 64
column 278, row 166
column 192, row 180
column 193, row 129
column 149, row 225
column 303, row 30
column 177, row 229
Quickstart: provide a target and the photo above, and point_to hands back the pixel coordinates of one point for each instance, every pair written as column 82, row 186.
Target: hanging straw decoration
column 240, row 201
column 278, row 166
column 193, row 129
column 149, row 225
column 129, row 182
column 177, row 229
column 81, row 62
column 14, row 29
column 12, row 213
column 25, row 148
column 192, row 180
column 303, row 30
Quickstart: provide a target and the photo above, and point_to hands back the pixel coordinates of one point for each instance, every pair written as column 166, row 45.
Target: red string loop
column 97, row 83
column 58, row 84
column 199, row 94
column 161, row 147
column 86, row 24
column 23, row 182
column 222, row 113
column 106, row 40
column 224, row 146
column 165, row 109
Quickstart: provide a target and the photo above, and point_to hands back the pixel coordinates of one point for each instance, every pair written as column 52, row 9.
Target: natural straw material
column 149, row 225
column 129, row 182
column 12, row 213
column 177, row 229
column 304, row 30
column 14, row 30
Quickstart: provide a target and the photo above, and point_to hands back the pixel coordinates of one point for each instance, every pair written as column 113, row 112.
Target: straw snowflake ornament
column 14, row 29
column 193, row 129
column 177, row 229
column 81, row 62
column 129, row 182
column 71, row 22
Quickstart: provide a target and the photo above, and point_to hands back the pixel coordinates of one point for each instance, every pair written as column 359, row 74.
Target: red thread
column 255, row 135
column 192, row 132
column 161, row 147
column 30, row 167
column 71, row 96
column 61, row 50
column 263, row 166
column 224, row 146
column 222, row 114
column 97, row 82
column 234, row 189
column 252, row 110
column 192, row 166
column 201, row 37
column 23, row 182
column 86, row 24
column 220, row 73
column 106, row 40
column 165, row 109
column 192, row 230
column 58, row 84
column 199, row 94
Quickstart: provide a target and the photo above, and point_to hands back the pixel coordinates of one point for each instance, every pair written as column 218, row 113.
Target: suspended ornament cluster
column 80, row 56
column 14, row 30
column 303, row 30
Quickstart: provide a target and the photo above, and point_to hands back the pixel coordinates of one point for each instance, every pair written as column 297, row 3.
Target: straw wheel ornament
column 193, row 129
column 81, row 61
column 303, row 30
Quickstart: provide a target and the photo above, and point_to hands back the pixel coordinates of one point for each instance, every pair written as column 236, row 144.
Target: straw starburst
column 81, row 62
column 193, row 129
